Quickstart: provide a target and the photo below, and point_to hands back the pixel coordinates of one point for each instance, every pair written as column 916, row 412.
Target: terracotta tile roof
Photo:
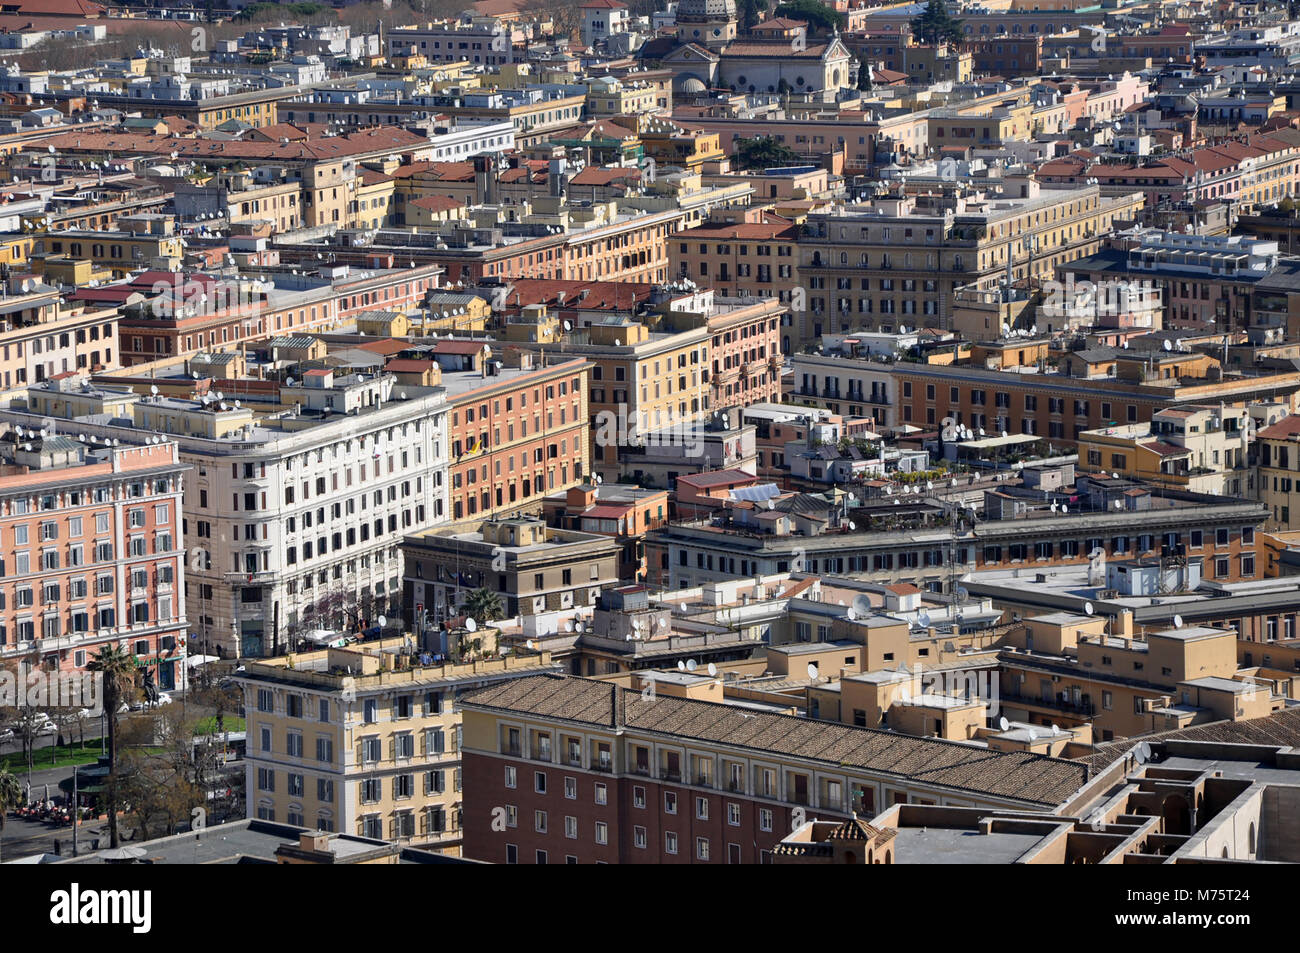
column 1021, row 776
column 437, row 203
column 773, row 49
column 1284, row 429
column 379, row 138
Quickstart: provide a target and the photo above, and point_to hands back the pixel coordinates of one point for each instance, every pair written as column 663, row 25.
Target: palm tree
column 11, row 795
column 117, row 666
column 484, row 605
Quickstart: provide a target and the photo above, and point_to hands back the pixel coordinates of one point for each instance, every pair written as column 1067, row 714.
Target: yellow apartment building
column 364, row 739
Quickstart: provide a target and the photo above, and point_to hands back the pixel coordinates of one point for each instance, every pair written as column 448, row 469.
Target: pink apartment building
column 91, row 552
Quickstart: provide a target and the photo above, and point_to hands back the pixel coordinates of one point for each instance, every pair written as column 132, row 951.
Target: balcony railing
column 513, row 750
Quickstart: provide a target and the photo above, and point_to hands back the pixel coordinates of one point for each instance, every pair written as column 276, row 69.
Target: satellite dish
column 1033, row 734
column 924, row 619
column 568, row 626
column 579, row 626
column 1003, row 723
column 1143, row 754
column 1178, row 622
column 529, row 644
column 1055, row 729
column 1114, row 476
column 713, row 669
column 1087, row 608
column 681, row 666
column 692, row 665
column 963, row 593
column 153, row 389
column 383, row 621
column 862, row 604
column 470, row 624
column 1054, row 507
column 1168, row 345
column 852, row 525
column 812, row 670
column 1065, row 508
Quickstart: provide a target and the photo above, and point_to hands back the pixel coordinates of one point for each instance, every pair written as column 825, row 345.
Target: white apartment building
column 292, row 499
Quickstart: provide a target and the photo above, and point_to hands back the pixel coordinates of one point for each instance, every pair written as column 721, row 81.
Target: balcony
column 703, row 781
column 667, row 775
column 513, row 751
column 604, row 767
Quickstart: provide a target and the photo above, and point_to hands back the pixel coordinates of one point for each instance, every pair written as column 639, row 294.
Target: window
column 765, row 819
column 701, row 848
column 539, row 782
column 670, row 802
column 733, row 814
column 670, row 842
column 702, row 808
column 571, row 827
column 602, row 793
column 511, row 778
column 602, row 833
column 638, row 797
column 539, row 821
column 638, row 838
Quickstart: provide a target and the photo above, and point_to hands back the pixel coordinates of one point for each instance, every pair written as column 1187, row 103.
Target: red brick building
column 558, row 769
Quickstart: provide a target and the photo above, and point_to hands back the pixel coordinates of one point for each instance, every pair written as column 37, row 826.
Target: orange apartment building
column 253, row 313
column 515, row 434
column 612, row 509
column 91, row 552
column 40, row 337
column 759, row 259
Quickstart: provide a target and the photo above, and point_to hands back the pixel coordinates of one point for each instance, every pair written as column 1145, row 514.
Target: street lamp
column 76, row 808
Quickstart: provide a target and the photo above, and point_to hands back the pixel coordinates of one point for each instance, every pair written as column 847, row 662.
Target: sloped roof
column 1014, row 775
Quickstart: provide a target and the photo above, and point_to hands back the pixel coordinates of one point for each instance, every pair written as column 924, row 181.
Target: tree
column 483, row 605
column 117, row 667
column 864, row 76
column 763, row 152
column 819, row 17
column 11, row 796
column 935, row 25
column 750, row 10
